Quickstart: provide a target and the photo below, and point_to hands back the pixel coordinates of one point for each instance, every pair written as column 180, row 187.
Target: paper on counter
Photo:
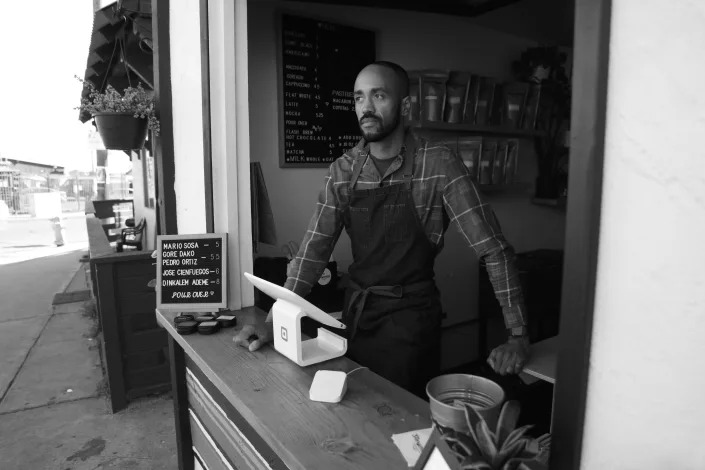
column 411, row 443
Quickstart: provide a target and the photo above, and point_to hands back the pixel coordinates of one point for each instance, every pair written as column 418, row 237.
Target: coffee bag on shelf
column 489, row 149
column 500, row 160
column 456, row 90
column 414, row 96
column 469, row 151
column 433, row 89
column 510, row 166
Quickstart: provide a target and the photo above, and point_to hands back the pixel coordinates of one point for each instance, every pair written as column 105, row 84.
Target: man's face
column 378, row 103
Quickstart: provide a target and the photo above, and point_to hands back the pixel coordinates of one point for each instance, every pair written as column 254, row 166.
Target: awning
column 120, row 52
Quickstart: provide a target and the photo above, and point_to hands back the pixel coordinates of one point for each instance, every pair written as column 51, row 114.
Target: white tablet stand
column 287, row 312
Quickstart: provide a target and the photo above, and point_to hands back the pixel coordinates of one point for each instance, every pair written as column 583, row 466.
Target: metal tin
column 448, row 393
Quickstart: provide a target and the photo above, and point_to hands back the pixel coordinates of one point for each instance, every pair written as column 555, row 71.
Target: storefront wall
column 645, row 407
column 142, row 206
column 415, row 41
column 187, row 108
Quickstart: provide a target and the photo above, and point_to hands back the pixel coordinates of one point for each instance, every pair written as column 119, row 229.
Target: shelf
column 504, row 189
column 559, row 203
column 471, row 128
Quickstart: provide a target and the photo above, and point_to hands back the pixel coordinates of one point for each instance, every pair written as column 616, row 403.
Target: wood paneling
column 111, row 343
column 130, row 302
column 146, row 359
column 139, row 321
column 236, row 418
column 147, row 376
column 204, row 445
column 184, row 449
column 230, row 440
column 133, row 343
column 145, row 341
column 138, row 284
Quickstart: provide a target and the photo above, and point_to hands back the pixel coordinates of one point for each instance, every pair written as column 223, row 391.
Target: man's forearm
column 504, row 277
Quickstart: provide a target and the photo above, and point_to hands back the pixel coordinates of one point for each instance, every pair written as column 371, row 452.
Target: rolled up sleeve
column 480, row 228
column 321, row 236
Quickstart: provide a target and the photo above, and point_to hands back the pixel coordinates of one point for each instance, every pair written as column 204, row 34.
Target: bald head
column 381, row 100
column 393, row 75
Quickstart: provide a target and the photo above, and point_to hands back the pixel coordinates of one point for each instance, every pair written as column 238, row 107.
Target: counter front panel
column 252, row 410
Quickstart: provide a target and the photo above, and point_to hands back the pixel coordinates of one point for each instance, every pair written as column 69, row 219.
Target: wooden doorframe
column 164, row 144
column 588, row 126
column 206, row 108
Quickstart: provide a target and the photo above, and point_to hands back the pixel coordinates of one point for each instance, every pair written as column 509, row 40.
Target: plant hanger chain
column 123, row 42
column 120, row 41
column 107, row 72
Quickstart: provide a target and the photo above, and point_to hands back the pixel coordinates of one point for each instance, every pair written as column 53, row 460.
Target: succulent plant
column 504, row 448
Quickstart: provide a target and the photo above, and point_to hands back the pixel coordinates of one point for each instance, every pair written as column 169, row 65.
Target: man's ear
column 405, row 106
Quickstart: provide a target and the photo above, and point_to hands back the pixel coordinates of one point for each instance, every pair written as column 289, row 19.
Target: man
column 395, row 195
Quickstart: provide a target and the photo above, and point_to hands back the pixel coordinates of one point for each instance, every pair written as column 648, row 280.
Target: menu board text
column 319, row 64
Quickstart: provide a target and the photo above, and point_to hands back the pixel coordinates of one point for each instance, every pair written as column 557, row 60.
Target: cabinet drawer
column 227, row 436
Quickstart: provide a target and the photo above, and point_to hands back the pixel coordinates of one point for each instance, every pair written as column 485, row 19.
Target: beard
column 381, row 131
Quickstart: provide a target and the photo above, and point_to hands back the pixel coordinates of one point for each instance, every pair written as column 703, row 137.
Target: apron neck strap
column 358, row 163
column 408, row 165
column 407, row 153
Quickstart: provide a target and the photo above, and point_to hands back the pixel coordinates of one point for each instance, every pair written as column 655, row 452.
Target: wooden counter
column 241, row 409
column 542, row 363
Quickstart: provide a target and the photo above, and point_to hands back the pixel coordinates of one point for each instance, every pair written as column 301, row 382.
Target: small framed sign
column 436, row 455
column 192, row 272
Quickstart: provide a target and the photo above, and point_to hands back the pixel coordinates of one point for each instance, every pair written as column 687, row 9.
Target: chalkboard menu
column 318, row 64
column 191, row 272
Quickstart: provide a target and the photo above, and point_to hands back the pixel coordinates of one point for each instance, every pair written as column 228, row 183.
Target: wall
column 141, row 209
column 414, row 40
column 645, row 392
column 545, row 21
column 98, row 4
column 185, row 48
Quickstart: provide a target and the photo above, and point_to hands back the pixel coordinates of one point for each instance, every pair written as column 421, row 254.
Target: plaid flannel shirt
column 442, row 191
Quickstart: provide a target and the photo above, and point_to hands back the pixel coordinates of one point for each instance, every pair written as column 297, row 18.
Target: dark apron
column 393, row 310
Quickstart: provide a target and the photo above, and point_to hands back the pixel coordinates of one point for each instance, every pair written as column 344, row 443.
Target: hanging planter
column 123, row 118
column 121, row 130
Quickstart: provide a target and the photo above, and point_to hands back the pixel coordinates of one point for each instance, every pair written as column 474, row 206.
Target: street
column 25, row 238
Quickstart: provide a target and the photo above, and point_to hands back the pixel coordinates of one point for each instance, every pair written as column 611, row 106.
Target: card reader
column 328, row 386
column 287, row 312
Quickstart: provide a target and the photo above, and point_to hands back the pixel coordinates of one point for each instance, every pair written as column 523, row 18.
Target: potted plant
column 546, row 67
column 505, row 447
column 122, row 119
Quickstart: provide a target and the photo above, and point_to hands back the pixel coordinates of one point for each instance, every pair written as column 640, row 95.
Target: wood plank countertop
column 271, row 393
column 543, row 360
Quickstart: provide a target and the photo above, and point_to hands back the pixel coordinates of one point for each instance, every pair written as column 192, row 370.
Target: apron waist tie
column 359, row 296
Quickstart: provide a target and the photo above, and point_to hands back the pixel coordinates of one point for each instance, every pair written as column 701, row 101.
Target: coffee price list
column 319, row 63
column 191, row 270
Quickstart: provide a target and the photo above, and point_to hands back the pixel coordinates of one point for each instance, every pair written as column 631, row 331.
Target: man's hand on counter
column 509, row 358
column 255, row 336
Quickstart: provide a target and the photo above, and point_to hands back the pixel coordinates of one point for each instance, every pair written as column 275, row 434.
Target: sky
column 43, row 44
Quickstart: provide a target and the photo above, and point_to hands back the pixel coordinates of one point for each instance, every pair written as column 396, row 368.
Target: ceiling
column 549, row 22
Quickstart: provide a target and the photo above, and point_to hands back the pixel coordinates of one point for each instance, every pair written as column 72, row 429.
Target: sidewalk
column 53, row 409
